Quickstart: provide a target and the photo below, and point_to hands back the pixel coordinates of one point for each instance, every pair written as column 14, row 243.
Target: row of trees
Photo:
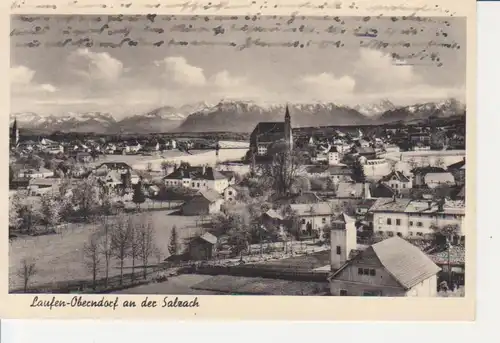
column 119, row 240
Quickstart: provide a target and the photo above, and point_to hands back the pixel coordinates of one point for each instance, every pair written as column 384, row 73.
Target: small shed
column 202, row 247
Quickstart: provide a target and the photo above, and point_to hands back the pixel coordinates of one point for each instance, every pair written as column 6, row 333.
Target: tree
column 105, row 246
column 146, row 238
column 133, row 252
column 439, row 162
column 358, row 172
column 27, row 271
column 238, row 239
column 173, row 246
column 138, row 197
column 121, row 240
column 28, row 218
column 412, row 163
column 283, row 170
column 85, row 197
column 50, row 211
column 92, row 258
column 165, row 166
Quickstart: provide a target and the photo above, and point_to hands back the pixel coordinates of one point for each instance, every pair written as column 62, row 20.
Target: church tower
column 288, row 128
column 342, row 240
column 14, row 135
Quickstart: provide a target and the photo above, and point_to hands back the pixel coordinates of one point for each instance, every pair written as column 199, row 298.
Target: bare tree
column 85, row 196
column 283, row 170
column 27, row 270
column 105, row 246
column 92, row 258
column 146, row 245
column 133, row 251
column 121, row 241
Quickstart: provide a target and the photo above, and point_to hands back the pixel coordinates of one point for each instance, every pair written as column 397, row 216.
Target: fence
column 274, row 272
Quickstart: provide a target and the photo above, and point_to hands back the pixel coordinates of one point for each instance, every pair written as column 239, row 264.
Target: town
column 374, row 210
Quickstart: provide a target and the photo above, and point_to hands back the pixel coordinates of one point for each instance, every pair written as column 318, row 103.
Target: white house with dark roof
column 397, row 180
column 406, row 217
column 391, row 268
column 197, row 177
column 313, row 217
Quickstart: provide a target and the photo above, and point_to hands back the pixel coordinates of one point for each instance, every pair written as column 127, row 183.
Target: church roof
column 268, row 132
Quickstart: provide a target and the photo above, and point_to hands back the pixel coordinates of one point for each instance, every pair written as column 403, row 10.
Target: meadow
column 59, row 257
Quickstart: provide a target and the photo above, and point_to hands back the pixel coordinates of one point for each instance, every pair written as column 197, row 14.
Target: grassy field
column 60, row 257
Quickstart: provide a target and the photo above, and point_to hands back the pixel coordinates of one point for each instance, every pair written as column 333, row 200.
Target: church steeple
column 288, row 128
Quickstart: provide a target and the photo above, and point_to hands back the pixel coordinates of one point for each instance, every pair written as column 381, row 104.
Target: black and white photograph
column 238, row 155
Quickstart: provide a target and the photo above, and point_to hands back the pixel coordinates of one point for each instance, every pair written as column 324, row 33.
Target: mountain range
column 236, row 116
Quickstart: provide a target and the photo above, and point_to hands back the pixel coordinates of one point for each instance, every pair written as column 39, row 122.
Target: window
column 390, row 233
column 411, row 223
column 419, row 224
column 230, row 193
column 366, row 271
column 343, row 293
column 372, row 272
column 411, row 233
column 404, row 186
column 398, row 221
column 192, row 184
column 360, row 271
column 420, row 234
column 338, row 250
column 303, row 221
column 198, row 184
column 400, row 234
column 323, row 220
column 389, row 221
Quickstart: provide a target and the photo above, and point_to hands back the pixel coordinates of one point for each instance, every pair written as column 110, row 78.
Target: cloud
column 95, row 66
column 21, row 79
column 374, row 75
column 224, row 80
column 178, row 70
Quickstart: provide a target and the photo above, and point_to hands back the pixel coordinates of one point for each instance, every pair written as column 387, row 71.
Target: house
column 458, row 171
column 397, row 180
column 35, row 173
column 352, row 190
column 367, row 152
column 272, row 221
column 38, row 187
column 392, row 267
column 333, row 156
column 207, row 201
column 342, row 240
column 419, row 137
column 405, row 217
column 83, row 156
column 313, row 217
column 420, row 172
column 433, row 180
column 197, row 177
column 319, row 157
column 106, row 166
column 202, row 247
column 53, row 149
column 266, row 133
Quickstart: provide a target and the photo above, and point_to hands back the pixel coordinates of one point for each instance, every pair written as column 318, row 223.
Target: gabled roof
column 208, row 237
column 195, row 173
column 269, row 131
column 381, row 190
column 273, row 214
column 457, row 165
column 115, row 165
column 444, row 177
column 395, row 174
column 406, row 263
column 350, row 190
column 333, row 148
column 390, row 205
column 316, row 209
column 210, row 195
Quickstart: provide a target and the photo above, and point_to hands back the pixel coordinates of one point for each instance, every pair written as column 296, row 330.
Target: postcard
column 172, row 159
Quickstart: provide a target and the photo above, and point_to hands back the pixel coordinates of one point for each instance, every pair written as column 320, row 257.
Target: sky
column 130, row 80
